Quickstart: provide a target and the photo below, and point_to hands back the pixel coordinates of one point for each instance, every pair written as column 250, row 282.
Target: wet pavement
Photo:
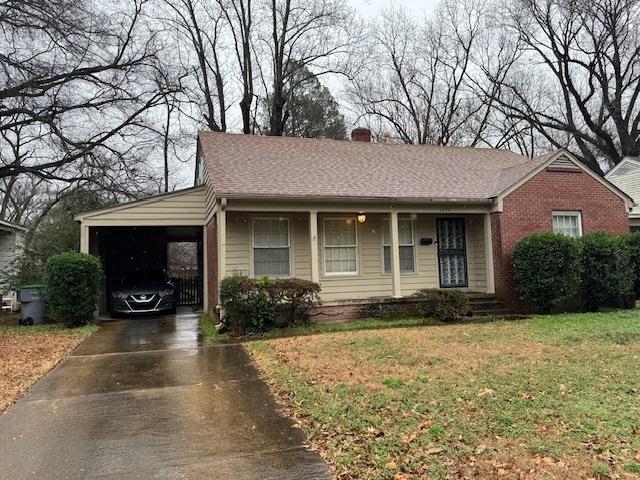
column 143, row 399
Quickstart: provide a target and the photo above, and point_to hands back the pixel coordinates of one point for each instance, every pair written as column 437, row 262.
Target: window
column 405, row 240
column 567, row 223
column 271, row 247
column 340, row 246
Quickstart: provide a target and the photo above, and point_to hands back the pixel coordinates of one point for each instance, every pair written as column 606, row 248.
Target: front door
column 452, row 252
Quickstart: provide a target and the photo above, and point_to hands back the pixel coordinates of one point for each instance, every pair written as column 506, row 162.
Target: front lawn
column 547, row 397
column 27, row 353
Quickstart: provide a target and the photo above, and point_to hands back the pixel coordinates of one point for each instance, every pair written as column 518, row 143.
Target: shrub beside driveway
column 549, row 397
column 27, row 353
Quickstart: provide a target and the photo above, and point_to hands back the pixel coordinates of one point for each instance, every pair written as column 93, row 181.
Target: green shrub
column 546, row 269
column 294, row 297
column 442, row 305
column 633, row 239
column 73, row 285
column 607, row 277
column 256, row 305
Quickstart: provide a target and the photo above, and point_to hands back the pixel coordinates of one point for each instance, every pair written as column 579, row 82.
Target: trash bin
column 33, row 304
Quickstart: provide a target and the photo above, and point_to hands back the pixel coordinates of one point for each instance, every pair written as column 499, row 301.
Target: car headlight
column 166, row 293
column 119, row 295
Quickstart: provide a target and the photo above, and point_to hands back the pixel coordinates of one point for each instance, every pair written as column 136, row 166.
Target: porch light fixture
column 362, row 217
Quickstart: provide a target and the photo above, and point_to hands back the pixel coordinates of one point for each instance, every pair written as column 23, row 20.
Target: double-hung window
column 406, row 244
column 567, row 223
column 271, row 247
column 340, row 246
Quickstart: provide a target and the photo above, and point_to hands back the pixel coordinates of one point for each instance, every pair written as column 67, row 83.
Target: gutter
column 475, row 201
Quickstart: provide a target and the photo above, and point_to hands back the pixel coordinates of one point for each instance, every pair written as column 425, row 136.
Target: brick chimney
column 361, row 134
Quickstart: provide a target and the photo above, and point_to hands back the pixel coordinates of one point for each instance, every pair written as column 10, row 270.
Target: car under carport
column 136, row 236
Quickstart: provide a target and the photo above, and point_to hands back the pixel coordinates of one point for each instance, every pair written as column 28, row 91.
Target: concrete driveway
column 144, row 399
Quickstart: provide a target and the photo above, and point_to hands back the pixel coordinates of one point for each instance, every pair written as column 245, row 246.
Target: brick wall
column 529, row 209
column 212, row 263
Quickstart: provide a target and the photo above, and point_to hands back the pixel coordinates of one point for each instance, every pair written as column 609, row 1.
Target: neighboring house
column 11, row 244
column 367, row 221
column 626, row 176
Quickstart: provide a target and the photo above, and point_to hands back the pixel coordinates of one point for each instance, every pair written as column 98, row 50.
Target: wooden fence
column 188, row 290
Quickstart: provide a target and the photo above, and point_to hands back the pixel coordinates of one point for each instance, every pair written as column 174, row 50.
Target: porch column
column 488, row 256
column 222, row 240
column 395, row 255
column 204, row 274
column 84, row 238
column 313, row 239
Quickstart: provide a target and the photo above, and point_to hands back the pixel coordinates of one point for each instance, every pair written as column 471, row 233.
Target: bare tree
column 79, row 87
column 318, row 35
column 200, row 23
column 576, row 79
column 238, row 14
column 417, row 81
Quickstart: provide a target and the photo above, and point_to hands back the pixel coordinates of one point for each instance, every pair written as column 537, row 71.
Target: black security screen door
column 452, row 252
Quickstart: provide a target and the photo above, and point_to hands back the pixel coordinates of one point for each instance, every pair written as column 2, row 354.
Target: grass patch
column 208, row 328
column 547, row 397
column 211, row 334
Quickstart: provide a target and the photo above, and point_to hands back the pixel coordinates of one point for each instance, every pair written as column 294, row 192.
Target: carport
column 139, row 236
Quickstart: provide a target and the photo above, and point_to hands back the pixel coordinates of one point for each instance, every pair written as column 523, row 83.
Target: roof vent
column 564, row 164
column 361, row 134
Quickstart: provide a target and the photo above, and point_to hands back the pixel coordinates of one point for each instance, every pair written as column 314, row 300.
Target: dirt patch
column 25, row 357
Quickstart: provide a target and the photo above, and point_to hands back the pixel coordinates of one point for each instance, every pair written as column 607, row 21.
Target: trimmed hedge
column 256, row 305
column 546, row 269
column 607, row 274
column 550, row 269
column 633, row 239
column 73, row 285
column 442, row 305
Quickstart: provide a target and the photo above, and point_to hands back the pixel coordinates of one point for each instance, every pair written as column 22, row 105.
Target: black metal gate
column 188, row 290
column 452, row 252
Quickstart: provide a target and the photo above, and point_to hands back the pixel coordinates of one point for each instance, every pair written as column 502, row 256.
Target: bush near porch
column 599, row 269
column 548, row 397
column 257, row 305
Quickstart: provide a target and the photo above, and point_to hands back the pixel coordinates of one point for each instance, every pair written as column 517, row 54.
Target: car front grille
column 142, row 302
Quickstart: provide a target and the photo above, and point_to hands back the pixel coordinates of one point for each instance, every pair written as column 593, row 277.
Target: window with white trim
column 406, row 244
column 567, row 223
column 271, row 247
column 340, row 246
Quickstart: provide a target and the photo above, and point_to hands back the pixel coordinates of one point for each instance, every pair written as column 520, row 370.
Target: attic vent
column 625, row 168
column 563, row 164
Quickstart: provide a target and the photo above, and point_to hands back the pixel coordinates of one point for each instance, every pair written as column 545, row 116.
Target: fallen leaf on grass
column 433, row 451
column 401, row 476
column 485, row 391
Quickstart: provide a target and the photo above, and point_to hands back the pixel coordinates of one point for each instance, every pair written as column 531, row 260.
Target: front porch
column 361, row 255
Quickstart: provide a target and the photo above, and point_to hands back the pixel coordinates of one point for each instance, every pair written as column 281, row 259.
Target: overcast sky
column 372, row 7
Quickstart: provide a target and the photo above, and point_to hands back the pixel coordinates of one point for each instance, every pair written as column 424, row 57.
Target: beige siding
column 11, row 244
column 209, row 194
column 239, row 242
column 629, row 184
column 178, row 208
column 371, row 281
column 476, row 253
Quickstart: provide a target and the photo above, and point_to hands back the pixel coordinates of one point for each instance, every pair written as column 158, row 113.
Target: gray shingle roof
column 261, row 166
